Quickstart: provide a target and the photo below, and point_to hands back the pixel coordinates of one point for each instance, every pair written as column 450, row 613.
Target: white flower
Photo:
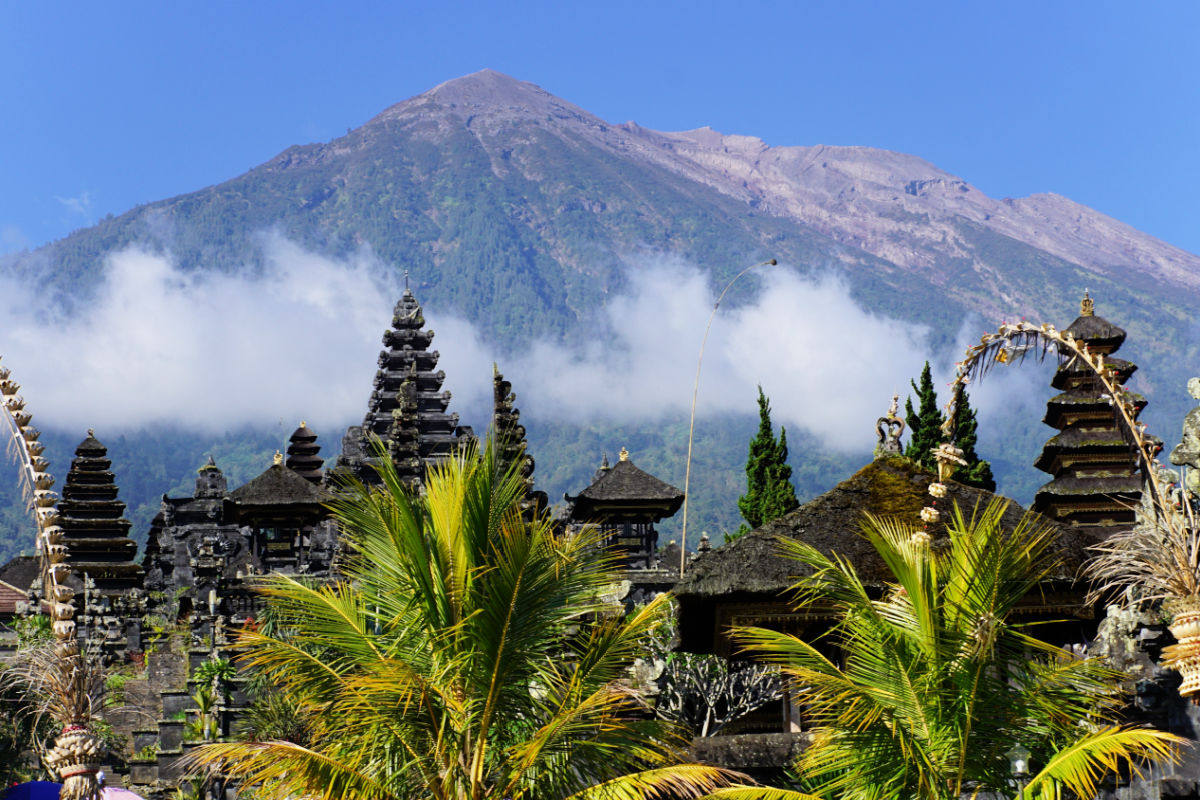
column 938, row 490
column 929, row 514
column 921, row 538
column 947, row 453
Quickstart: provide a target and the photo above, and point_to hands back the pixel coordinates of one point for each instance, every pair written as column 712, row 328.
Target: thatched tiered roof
column 751, row 569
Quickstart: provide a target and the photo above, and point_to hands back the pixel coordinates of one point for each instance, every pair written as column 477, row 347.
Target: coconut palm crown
column 933, row 681
column 465, row 653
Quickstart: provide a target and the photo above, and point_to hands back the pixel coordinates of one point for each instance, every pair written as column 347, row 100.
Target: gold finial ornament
column 278, row 457
column 303, row 424
column 1087, row 306
column 624, row 454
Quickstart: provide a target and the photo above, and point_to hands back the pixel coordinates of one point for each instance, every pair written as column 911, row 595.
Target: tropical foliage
column 466, row 654
column 935, row 682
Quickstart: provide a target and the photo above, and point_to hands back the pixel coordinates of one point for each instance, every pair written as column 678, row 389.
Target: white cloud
column 80, row 205
column 207, row 350
column 828, row 366
column 300, row 340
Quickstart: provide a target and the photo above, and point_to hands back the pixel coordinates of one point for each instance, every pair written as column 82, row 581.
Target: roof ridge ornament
column 624, row 454
column 278, row 458
column 889, row 429
column 1087, row 306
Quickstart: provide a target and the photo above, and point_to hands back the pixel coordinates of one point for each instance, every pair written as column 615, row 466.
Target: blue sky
column 104, row 106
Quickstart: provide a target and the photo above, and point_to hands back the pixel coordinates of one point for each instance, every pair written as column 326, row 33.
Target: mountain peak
column 486, row 87
column 487, row 93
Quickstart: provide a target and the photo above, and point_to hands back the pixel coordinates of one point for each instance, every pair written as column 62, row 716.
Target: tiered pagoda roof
column 408, row 408
column 625, row 502
column 1096, row 483
column 624, row 491
column 509, row 436
column 302, row 455
column 511, row 445
column 93, row 520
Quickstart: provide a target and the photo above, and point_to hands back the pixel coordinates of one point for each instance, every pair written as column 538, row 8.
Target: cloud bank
column 208, row 351
column 299, row 340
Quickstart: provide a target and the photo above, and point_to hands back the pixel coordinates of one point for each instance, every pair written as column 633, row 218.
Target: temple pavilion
column 626, row 502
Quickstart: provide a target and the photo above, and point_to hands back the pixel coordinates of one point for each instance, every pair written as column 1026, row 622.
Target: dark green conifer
column 977, row 472
column 769, row 491
column 924, row 425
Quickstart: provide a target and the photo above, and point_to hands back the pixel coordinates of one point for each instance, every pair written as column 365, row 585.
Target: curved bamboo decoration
column 1148, row 567
column 77, row 750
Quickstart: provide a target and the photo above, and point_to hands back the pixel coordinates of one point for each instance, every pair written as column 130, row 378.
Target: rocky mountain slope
column 524, row 213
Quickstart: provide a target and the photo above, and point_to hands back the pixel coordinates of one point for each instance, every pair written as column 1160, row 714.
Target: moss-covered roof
column 1097, row 484
column 887, row 487
column 279, row 486
column 22, row 571
column 625, row 487
column 1096, row 331
column 1087, row 438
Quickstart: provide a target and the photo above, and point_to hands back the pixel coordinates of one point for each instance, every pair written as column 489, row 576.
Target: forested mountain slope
column 526, row 214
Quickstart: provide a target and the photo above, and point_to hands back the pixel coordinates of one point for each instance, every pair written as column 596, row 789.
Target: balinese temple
column 302, row 454
column 507, row 429
column 282, row 511
column 747, row 581
column 193, row 547
column 626, row 502
column 508, row 436
column 95, row 529
column 407, row 408
column 1096, row 484
column 204, row 547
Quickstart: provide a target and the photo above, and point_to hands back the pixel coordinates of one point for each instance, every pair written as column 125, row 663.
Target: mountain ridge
column 803, row 182
column 526, row 214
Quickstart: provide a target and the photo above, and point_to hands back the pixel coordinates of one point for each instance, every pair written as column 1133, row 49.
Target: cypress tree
column 977, row 472
column 769, row 492
column 924, row 425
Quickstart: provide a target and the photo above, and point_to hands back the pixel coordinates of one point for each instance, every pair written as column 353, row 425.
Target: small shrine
column 626, row 502
column 1096, row 486
column 282, row 510
column 407, row 407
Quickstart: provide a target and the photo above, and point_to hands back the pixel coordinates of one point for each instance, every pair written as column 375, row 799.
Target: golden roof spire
column 278, row 457
column 1087, row 306
column 624, row 454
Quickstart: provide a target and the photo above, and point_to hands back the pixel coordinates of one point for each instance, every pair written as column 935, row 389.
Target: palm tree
column 465, row 655
column 213, row 678
column 934, row 683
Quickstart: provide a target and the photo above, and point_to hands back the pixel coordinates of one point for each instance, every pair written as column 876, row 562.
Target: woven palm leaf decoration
column 71, row 680
column 1158, row 560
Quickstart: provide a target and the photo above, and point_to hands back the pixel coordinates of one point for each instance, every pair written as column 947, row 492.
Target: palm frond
column 1082, row 765
column 759, row 793
column 686, row 781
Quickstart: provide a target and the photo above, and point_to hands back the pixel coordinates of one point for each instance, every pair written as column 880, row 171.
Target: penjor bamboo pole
column 687, row 474
column 77, row 751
